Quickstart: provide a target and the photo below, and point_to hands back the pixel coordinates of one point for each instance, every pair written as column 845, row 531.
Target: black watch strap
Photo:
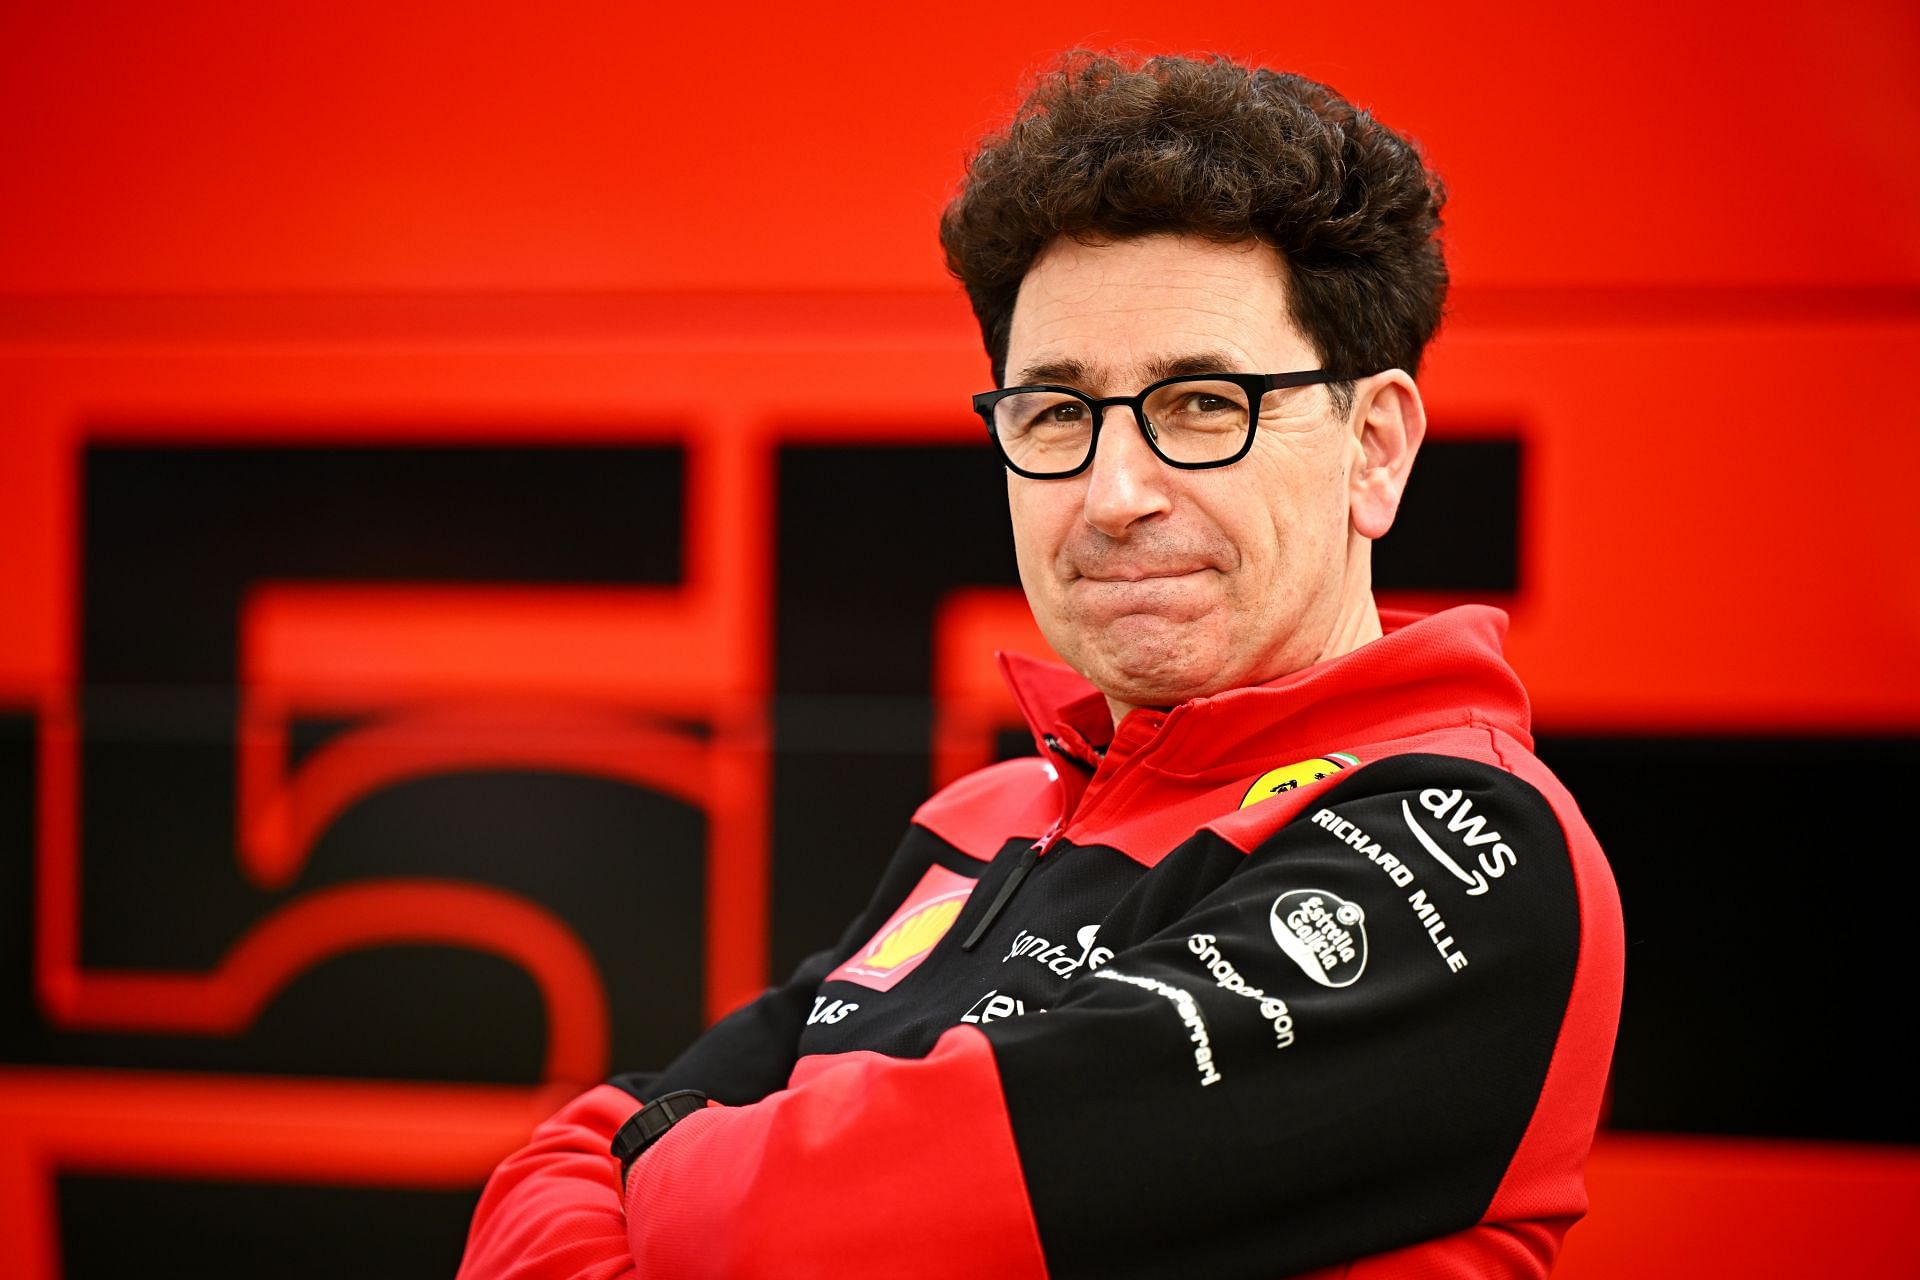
column 645, row 1126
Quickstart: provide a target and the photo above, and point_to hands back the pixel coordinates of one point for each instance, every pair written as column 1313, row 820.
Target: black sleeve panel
column 1331, row 1050
column 750, row 1053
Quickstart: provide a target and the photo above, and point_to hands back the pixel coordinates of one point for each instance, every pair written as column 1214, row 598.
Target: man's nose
column 1126, row 482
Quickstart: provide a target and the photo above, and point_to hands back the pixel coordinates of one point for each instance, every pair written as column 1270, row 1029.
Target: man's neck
column 1358, row 627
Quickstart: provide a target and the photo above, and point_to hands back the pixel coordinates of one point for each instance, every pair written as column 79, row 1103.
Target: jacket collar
column 1427, row 671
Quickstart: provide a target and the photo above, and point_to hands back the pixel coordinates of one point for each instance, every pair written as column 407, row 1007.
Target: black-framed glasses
column 1194, row 421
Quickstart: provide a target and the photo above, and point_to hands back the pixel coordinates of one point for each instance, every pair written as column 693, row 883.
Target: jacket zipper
column 1067, row 753
column 1092, row 804
column 1029, row 858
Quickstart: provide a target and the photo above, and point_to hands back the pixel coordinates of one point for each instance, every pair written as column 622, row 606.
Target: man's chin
column 1155, row 679
column 1148, row 660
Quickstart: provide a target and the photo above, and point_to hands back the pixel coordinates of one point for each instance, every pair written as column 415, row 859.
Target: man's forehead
column 1121, row 313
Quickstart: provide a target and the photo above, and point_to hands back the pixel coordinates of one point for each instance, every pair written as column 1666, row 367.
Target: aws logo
column 1473, row 832
column 909, row 935
column 1291, row 776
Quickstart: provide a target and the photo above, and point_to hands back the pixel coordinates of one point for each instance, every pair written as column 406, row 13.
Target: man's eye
column 1066, row 412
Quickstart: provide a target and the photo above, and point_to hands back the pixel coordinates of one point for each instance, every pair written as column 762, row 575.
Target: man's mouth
column 1141, row 575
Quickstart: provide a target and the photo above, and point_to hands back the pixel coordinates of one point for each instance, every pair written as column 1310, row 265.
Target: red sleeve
column 849, row 1172
column 552, row 1209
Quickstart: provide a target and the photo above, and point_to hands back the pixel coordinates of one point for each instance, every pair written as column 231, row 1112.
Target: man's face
column 1159, row 584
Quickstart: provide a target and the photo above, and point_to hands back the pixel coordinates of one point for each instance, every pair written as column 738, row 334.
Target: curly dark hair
column 1101, row 150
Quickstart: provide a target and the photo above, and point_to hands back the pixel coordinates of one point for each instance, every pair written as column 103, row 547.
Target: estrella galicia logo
column 1457, row 811
column 1323, row 933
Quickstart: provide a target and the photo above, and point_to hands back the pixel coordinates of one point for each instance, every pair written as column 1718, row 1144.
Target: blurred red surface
column 1687, row 278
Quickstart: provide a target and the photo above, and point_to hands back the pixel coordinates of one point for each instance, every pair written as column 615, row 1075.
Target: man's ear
column 1388, row 422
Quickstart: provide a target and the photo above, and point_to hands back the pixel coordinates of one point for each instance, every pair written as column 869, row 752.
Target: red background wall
column 1687, row 281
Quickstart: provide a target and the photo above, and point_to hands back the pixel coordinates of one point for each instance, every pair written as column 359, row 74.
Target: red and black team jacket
column 1320, row 976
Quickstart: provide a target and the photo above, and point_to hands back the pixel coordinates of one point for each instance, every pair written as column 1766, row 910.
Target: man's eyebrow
column 1191, row 362
column 1070, row 372
column 1067, row 371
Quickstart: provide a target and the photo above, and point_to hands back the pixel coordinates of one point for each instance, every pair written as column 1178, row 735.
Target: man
column 1285, row 955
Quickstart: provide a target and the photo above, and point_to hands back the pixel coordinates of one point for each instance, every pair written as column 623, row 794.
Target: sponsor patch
column 1323, row 933
column 1291, row 777
column 1227, row 977
column 1353, row 836
column 1483, row 851
column 830, row 1012
column 1428, row 914
column 910, row 933
column 993, row 1006
column 1063, row 961
column 1189, row 1010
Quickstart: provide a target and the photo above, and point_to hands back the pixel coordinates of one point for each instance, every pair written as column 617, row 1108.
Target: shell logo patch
column 909, row 935
column 913, row 936
column 1288, row 777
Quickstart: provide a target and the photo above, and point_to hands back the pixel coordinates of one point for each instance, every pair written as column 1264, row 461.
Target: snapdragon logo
column 1228, row 978
column 1323, row 933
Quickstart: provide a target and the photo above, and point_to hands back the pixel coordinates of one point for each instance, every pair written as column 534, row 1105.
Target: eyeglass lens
column 1052, row 431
